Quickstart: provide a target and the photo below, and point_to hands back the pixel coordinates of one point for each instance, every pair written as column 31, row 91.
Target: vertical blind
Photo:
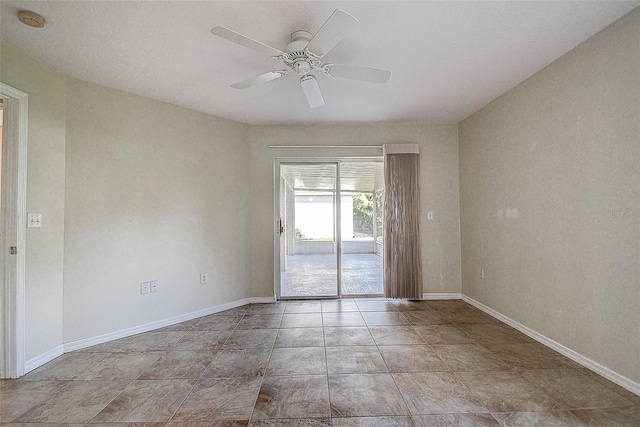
column 402, row 259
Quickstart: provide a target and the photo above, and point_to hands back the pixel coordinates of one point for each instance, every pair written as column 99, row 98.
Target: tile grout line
column 130, row 382
column 404, row 401
column 205, row 369
column 264, row 375
column 326, row 363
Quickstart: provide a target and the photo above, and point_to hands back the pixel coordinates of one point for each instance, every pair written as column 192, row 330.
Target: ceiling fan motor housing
column 296, row 55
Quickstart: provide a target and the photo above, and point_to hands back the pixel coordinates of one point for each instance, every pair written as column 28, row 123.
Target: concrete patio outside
column 316, row 275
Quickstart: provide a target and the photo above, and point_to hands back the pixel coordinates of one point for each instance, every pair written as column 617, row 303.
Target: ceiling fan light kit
column 304, row 54
column 311, row 90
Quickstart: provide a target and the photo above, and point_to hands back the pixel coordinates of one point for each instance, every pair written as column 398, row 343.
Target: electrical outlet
column 144, row 288
column 429, row 215
column 203, row 278
column 154, row 286
column 482, row 273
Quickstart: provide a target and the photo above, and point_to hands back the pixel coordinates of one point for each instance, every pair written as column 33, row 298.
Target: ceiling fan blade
column 262, row 78
column 331, row 32
column 358, row 73
column 311, row 91
column 245, row 41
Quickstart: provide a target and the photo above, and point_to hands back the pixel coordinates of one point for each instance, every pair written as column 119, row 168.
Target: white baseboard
column 123, row 333
column 436, row 295
column 48, row 356
column 592, row 365
column 262, row 300
column 45, row 357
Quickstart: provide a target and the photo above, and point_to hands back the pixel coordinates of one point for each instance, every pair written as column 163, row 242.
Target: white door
column 13, row 230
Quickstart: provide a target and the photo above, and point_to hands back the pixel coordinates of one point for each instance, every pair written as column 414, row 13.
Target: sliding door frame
column 278, row 161
column 336, row 223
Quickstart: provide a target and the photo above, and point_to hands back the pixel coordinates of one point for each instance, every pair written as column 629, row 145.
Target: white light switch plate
column 430, row 215
column 34, row 220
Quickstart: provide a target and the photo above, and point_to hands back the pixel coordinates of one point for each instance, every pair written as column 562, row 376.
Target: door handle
column 280, row 227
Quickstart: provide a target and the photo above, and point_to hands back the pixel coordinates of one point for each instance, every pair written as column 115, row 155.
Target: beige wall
column 45, row 194
column 563, row 150
column 154, row 191
column 438, row 187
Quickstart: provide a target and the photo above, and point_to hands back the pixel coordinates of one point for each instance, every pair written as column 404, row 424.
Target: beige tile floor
column 321, row 363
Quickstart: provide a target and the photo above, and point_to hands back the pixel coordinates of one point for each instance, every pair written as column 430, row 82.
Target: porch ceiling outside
column 366, row 177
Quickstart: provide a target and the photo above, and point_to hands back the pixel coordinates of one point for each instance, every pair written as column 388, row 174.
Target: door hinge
column 13, row 250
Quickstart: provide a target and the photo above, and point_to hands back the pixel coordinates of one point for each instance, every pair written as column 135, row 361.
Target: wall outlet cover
column 144, row 288
column 154, row 286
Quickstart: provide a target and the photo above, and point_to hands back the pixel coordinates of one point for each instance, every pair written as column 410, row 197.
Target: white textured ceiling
column 447, row 59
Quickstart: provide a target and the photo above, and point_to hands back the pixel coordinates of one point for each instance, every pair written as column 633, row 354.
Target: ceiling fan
column 304, row 54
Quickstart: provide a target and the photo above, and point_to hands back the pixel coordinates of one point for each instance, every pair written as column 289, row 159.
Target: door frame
column 13, row 225
column 338, row 213
column 337, row 229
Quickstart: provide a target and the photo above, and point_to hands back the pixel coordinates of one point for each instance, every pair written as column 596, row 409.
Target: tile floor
column 321, row 363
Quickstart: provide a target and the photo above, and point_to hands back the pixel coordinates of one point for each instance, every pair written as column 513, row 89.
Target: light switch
column 430, row 215
column 34, row 220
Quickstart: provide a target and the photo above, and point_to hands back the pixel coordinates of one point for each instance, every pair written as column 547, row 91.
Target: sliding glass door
column 328, row 226
column 361, row 186
column 308, row 230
